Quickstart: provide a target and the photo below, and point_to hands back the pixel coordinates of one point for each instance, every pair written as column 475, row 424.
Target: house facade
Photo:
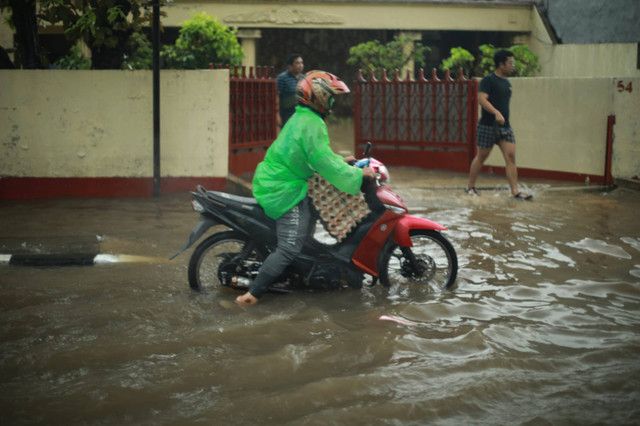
column 323, row 31
column 587, row 38
column 56, row 136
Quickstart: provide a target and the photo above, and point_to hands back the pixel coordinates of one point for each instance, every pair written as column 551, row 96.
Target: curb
column 629, row 183
column 48, row 259
column 75, row 259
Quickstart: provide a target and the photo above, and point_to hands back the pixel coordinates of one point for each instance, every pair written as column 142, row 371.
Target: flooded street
column 543, row 326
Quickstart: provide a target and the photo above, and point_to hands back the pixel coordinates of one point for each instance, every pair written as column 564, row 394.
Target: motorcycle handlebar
column 367, row 149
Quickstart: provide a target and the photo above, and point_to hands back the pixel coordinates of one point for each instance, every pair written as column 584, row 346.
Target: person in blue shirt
column 286, row 83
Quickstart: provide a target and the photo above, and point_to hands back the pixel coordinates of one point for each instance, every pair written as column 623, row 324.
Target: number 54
column 622, row 87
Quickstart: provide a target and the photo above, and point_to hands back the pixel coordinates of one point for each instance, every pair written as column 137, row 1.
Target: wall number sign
column 624, row 87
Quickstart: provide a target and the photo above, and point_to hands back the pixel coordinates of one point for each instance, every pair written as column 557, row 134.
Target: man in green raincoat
column 280, row 181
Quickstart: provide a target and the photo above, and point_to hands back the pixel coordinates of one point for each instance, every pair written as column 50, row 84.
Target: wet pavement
column 541, row 328
column 73, row 231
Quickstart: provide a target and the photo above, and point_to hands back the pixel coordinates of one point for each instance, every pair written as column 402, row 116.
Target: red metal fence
column 252, row 117
column 423, row 123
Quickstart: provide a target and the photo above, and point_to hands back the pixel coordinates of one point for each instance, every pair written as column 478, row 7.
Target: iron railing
column 421, row 122
column 252, row 116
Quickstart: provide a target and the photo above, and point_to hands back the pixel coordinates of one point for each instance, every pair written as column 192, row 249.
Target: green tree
column 108, row 27
column 73, row 61
column 203, row 40
column 459, row 58
column 375, row 56
column 138, row 54
column 526, row 60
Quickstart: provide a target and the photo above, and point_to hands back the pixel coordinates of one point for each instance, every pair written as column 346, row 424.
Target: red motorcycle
column 387, row 244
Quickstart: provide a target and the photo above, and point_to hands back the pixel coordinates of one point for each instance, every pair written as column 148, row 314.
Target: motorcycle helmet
column 317, row 89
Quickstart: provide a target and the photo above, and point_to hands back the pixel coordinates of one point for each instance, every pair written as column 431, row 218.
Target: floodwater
column 542, row 327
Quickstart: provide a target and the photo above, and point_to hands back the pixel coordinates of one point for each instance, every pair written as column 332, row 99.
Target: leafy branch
column 373, row 56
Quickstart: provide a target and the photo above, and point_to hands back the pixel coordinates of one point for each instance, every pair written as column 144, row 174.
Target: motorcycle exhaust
column 240, row 282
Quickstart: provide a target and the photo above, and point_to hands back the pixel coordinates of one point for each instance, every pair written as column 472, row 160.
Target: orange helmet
column 317, row 89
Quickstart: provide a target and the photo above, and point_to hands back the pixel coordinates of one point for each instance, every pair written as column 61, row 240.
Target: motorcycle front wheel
column 220, row 257
column 431, row 260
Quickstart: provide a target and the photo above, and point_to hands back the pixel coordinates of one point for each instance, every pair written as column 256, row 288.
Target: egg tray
column 338, row 211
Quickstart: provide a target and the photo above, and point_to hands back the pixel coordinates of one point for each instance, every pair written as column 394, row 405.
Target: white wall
column 589, row 60
column 626, row 145
column 561, row 125
column 100, row 123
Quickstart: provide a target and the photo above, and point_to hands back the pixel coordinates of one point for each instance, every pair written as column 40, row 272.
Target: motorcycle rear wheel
column 217, row 255
column 435, row 263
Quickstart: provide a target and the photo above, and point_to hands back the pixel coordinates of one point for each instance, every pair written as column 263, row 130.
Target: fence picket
column 423, row 122
column 252, row 116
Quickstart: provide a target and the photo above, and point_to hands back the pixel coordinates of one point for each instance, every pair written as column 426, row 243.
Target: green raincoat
column 301, row 149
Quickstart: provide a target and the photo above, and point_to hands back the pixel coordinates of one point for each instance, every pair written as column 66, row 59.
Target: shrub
column 73, row 61
column 203, row 40
column 375, row 56
column 459, row 58
column 526, row 60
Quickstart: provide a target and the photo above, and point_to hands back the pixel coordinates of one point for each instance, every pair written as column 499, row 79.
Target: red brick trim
column 48, row 187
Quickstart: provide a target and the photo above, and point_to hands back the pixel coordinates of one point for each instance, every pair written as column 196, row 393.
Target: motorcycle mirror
column 367, row 149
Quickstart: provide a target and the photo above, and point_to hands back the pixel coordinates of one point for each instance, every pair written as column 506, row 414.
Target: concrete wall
column 100, row 123
column 626, row 145
column 588, row 60
column 561, row 125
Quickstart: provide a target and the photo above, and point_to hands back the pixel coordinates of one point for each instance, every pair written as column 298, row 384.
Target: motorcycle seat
column 225, row 197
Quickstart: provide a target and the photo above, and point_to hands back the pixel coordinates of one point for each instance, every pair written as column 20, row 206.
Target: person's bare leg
column 509, row 153
column 476, row 165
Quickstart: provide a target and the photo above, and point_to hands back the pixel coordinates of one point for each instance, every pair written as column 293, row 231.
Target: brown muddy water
column 542, row 327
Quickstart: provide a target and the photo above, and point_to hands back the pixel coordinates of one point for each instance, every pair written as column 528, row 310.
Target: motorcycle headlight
column 384, row 174
column 395, row 209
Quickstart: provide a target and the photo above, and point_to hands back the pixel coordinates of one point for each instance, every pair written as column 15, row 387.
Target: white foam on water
column 599, row 246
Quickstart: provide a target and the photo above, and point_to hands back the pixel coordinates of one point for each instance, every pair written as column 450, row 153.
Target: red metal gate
column 252, row 117
column 422, row 123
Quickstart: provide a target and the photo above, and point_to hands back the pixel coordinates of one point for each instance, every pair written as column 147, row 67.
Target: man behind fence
column 286, row 85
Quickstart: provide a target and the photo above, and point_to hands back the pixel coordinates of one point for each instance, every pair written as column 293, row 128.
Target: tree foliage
column 375, row 56
column 74, row 60
column 203, row 40
column 526, row 61
column 139, row 53
column 112, row 29
column 459, row 58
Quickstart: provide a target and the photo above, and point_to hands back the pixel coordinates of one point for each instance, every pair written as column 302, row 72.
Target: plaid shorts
column 487, row 136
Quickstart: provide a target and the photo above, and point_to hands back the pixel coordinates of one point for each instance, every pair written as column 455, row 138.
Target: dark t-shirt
column 499, row 91
column 286, row 85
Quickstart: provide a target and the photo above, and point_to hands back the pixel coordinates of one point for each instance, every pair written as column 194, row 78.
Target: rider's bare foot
column 246, row 299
